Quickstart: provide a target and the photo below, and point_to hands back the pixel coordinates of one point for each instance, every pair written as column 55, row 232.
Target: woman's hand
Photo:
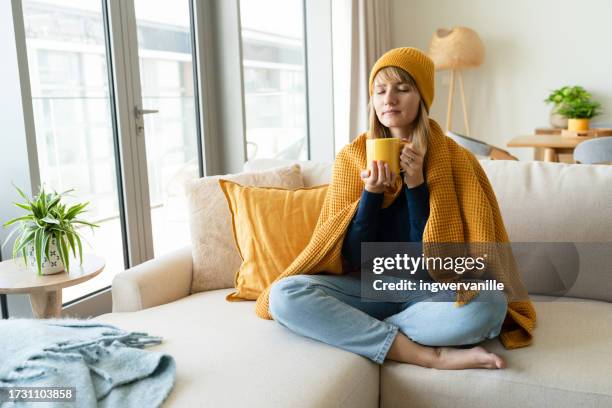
column 411, row 164
column 377, row 180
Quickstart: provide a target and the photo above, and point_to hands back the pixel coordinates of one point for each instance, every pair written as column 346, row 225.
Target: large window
column 116, row 93
column 274, row 78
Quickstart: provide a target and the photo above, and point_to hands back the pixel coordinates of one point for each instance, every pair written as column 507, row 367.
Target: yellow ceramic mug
column 386, row 149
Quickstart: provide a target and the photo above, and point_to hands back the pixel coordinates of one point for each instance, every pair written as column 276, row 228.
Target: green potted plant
column 48, row 232
column 561, row 96
column 579, row 113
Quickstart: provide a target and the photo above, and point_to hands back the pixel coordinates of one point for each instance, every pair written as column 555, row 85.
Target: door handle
column 140, row 112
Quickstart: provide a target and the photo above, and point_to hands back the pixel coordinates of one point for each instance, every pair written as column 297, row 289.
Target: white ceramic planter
column 556, row 120
column 50, row 265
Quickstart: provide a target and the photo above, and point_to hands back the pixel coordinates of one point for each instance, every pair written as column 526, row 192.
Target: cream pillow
column 215, row 256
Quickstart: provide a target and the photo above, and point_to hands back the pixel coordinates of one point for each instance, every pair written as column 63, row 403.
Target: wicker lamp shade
column 456, row 48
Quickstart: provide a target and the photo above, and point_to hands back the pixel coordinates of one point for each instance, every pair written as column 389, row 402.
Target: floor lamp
column 456, row 49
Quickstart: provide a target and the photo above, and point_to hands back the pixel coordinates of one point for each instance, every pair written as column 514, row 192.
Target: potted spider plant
column 48, row 232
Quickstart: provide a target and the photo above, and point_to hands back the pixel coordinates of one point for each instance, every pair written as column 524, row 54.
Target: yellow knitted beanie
column 413, row 61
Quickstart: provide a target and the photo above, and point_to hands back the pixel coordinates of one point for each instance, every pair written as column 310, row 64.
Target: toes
column 496, row 361
column 500, row 362
column 488, row 360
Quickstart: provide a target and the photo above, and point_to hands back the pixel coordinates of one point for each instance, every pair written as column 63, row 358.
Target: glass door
column 165, row 59
column 73, row 117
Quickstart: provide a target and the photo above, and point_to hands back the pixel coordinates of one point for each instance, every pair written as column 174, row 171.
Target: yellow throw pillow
column 271, row 227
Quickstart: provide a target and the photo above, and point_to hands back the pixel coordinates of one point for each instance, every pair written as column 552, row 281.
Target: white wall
column 532, row 47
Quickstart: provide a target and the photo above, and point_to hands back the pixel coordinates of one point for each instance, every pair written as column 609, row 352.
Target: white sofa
column 227, row 356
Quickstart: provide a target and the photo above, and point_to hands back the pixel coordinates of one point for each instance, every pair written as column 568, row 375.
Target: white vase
column 49, row 266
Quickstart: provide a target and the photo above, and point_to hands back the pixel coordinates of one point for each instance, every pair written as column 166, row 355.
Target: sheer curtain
column 361, row 34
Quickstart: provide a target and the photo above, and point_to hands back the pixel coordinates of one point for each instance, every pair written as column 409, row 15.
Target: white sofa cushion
column 553, row 202
column 562, row 203
column 227, row 356
column 568, row 365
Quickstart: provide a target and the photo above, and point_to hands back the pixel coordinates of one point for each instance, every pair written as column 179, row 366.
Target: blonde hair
column 420, row 135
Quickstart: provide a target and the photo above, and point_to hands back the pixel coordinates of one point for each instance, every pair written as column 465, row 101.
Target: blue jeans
column 329, row 308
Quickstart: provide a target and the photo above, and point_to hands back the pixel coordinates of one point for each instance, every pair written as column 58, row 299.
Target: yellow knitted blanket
column 463, row 209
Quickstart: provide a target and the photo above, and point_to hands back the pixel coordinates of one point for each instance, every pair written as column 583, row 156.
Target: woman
column 396, row 208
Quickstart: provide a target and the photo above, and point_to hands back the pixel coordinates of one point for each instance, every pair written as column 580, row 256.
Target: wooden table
column 553, row 145
column 46, row 291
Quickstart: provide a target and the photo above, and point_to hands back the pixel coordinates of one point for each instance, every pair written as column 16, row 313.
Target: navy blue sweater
column 403, row 221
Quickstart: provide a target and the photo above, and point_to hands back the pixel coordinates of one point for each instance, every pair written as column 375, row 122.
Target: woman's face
column 396, row 105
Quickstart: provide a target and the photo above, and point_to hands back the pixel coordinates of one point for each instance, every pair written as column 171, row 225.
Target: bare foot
column 449, row 358
column 443, row 358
